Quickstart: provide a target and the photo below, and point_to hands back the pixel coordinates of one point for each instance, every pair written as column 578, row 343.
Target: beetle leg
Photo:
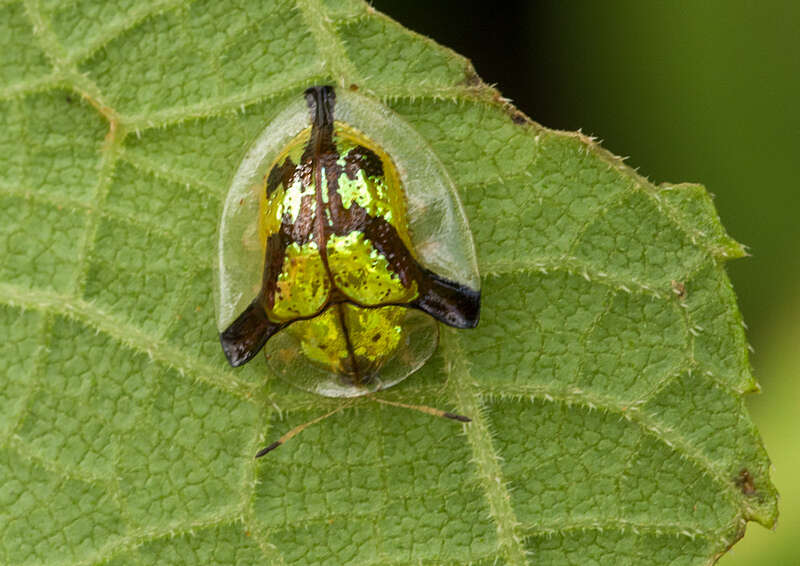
column 245, row 337
column 447, row 301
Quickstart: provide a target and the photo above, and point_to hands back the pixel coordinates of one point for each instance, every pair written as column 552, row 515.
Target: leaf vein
column 139, row 537
column 322, row 29
column 115, row 29
column 485, row 454
column 127, row 334
column 632, row 412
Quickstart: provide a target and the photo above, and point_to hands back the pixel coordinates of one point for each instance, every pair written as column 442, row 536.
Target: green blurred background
column 702, row 91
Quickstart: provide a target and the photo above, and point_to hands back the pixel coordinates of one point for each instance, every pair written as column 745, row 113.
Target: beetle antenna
column 298, row 429
column 421, row 408
column 425, row 409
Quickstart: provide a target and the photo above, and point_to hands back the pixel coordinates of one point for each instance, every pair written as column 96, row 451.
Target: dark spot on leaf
column 679, row 288
column 744, row 481
column 354, row 87
column 471, row 78
column 519, row 118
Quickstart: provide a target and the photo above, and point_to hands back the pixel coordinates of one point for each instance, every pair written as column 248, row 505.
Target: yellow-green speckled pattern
column 285, row 199
column 359, row 271
column 363, row 274
column 378, row 195
column 374, row 335
column 303, row 284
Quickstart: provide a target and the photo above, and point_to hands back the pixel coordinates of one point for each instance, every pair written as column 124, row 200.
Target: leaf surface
column 605, row 380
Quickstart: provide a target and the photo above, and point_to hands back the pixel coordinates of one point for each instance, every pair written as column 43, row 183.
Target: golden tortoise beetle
column 345, row 298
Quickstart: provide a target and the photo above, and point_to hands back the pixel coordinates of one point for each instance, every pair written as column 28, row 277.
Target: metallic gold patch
column 363, row 274
column 303, row 284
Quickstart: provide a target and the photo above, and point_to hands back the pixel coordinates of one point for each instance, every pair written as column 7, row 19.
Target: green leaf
column 605, row 381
